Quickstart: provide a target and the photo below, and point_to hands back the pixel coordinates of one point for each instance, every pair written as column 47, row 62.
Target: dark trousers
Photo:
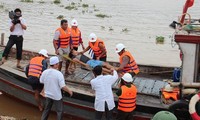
column 14, row 39
column 121, row 115
column 108, row 114
column 48, row 105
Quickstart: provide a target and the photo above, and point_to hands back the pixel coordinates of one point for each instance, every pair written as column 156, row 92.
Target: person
column 127, row 61
column 127, row 98
column 62, row 43
column 104, row 100
column 98, row 47
column 90, row 63
column 164, row 115
column 76, row 35
column 53, row 81
column 17, row 27
column 36, row 66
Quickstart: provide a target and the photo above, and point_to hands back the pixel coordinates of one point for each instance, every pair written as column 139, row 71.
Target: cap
column 74, row 23
column 119, row 47
column 164, row 115
column 127, row 77
column 168, row 88
column 43, row 52
column 54, row 60
column 92, row 37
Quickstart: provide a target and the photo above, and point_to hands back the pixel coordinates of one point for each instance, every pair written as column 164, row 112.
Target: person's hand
column 18, row 21
column 14, row 22
column 83, row 47
column 97, row 58
column 70, row 93
column 56, row 52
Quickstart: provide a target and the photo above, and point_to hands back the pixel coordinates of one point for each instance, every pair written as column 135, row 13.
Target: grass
column 96, row 10
column 56, row 1
column 60, row 17
column 125, row 30
column 111, row 29
column 102, row 27
column 102, row 16
column 1, row 6
column 69, row 7
column 73, row 3
column 160, row 39
column 29, row 1
column 85, row 5
column 41, row 1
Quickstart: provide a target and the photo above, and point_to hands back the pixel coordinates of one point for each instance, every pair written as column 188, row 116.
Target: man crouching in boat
column 35, row 68
column 127, row 61
column 90, row 63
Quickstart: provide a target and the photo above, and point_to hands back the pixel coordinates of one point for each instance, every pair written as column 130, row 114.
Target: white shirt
column 18, row 28
column 102, row 85
column 53, row 81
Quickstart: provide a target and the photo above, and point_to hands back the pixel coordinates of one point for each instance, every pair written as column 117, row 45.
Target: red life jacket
column 96, row 49
column 64, row 38
column 75, row 35
column 127, row 100
column 35, row 67
column 131, row 66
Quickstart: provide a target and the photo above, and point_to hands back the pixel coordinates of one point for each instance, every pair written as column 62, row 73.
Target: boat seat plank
column 157, row 86
column 140, row 85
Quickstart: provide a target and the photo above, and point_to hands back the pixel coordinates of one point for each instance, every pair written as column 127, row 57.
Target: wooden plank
column 157, row 86
column 147, row 88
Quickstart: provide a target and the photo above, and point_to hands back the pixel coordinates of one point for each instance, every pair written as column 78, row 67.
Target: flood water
column 144, row 20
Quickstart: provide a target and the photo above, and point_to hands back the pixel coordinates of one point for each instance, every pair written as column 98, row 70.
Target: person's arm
column 85, row 50
column 66, row 89
column 63, row 85
column 125, row 61
column 22, row 23
column 12, row 27
column 55, row 40
column 44, row 65
column 103, row 49
column 42, row 77
column 114, row 77
column 81, row 41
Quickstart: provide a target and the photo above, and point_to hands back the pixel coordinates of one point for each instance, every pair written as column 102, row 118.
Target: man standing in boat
column 104, row 100
column 127, row 98
column 17, row 27
column 76, row 35
column 127, row 61
column 98, row 47
column 62, row 44
column 53, row 81
column 35, row 68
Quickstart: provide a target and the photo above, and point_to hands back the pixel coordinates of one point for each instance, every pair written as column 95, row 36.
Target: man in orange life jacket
column 98, row 48
column 62, row 42
column 35, row 68
column 76, row 35
column 127, row 61
column 127, row 98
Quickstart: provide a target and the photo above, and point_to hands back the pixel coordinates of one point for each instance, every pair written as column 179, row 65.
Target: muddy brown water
column 144, row 20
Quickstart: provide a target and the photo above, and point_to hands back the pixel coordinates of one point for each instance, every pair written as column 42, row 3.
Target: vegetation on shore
column 160, row 39
column 28, row 1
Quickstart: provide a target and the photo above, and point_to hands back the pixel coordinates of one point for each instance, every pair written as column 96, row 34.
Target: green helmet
column 164, row 115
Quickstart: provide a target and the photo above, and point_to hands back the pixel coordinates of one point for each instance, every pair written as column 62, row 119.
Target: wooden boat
column 14, row 83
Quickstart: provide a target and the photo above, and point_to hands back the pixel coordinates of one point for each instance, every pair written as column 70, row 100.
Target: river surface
column 143, row 19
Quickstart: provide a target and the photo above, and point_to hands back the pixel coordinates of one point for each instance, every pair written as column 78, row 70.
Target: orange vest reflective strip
column 173, row 95
column 35, row 67
column 131, row 66
column 75, row 35
column 64, row 38
column 127, row 100
column 96, row 48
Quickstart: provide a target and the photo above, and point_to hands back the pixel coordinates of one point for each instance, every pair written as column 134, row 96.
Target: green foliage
column 101, row 15
column 111, row 29
column 56, row 1
column 1, row 6
column 125, row 30
column 60, row 17
column 69, row 7
column 85, row 5
column 29, row 1
column 73, row 3
column 41, row 1
column 160, row 39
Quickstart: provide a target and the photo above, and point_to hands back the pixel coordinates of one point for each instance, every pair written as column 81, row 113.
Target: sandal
column 19, row 67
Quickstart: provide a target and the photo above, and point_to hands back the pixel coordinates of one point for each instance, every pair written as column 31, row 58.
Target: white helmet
column 119, row 47
column 44, row 52
column 74, row 23
column 92, row 37
column 127, row 77
column 168, row 88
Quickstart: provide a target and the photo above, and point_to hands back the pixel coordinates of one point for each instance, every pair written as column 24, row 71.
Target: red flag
column 188, row 3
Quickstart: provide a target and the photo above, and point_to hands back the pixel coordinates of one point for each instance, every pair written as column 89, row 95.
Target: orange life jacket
column 96, row 49
column 173, row 95
column 75, row 35
column 131, row 66
column 127, row 100
column 64, row 38
column 35, row 67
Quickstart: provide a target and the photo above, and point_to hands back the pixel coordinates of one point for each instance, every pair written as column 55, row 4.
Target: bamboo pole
column 2, row 38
